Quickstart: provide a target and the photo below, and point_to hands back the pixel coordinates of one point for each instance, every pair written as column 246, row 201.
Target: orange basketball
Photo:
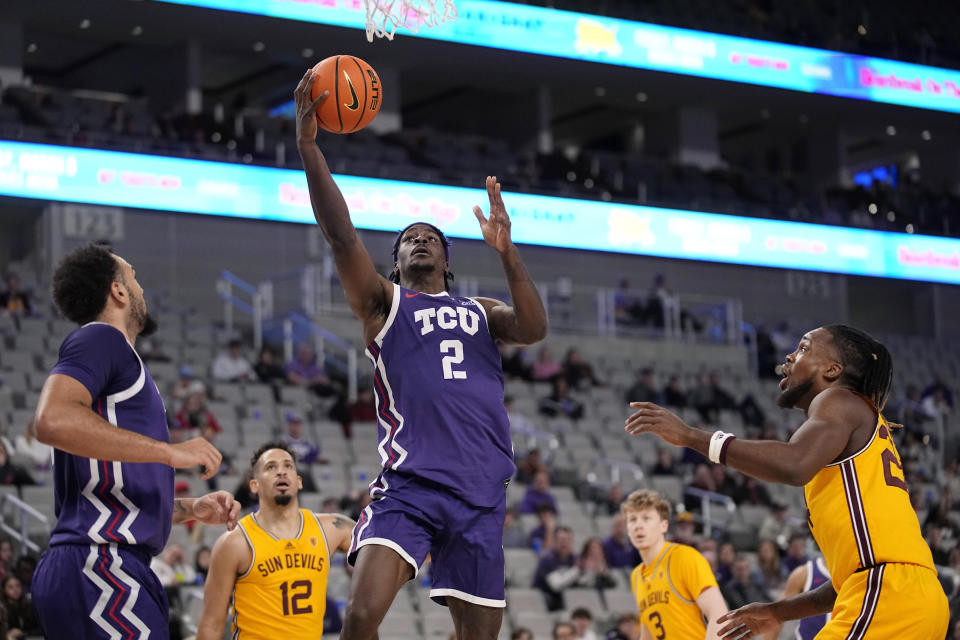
column 355, row 94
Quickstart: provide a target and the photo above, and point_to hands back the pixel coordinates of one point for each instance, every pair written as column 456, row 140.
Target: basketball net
column 384, row 16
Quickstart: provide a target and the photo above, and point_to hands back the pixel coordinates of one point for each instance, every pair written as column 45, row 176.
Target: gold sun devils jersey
column 667, row 593
column 283, row 592
column 860, row 511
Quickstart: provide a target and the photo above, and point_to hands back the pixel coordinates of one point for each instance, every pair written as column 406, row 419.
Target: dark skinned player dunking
column 883, row 582
column 445, row 438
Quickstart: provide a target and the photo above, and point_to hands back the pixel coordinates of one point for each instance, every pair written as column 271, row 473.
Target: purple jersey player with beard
column 445, row 439
column 113, row 463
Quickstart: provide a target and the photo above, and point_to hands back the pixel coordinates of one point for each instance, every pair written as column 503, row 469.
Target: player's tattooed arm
column 338, row 530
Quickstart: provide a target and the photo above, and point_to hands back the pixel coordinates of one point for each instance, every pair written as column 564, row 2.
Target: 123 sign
column 92, row 223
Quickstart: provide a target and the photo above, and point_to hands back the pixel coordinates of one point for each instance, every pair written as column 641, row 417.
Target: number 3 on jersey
column 455, row 349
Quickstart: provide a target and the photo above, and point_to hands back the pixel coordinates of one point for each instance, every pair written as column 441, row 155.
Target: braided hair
column 394, row 276
column 867, row 365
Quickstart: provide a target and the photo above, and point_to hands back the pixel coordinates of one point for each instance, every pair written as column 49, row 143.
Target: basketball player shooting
column 445, row 438
column 883, row 582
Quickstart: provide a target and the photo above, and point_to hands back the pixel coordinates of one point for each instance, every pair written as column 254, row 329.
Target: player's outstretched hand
column 307, row 107
column 218, row 507
column 496, row 226
column 650, row 418
column 748, row 622
column 193, row 453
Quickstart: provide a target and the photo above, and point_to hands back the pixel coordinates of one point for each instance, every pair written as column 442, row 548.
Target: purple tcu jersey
column 98, row 501
column 438, row 382
column 817, row 574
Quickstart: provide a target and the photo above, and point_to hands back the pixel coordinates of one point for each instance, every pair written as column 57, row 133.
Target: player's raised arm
column 229, row 553
column 368, row 293
column 526, row 321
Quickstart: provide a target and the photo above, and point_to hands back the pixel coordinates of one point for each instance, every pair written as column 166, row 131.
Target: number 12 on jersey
column 455, row 349
column 293, row 594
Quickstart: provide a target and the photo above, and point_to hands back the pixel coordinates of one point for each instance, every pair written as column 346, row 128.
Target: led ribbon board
column 112, row 178
column 540, row 30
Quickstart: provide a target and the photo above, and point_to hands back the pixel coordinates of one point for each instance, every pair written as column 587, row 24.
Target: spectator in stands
column 151, row 351
column 538, row 493
column 557, row 569
column 6, row 556
column 521, row 633
column 594, row 571
column 684, row 529
column 304, row 371
column 625, row 629
column 579, row 374
column 267, row 369
column 231, row 365
column 24, row 568
column 226, row 462
column 172, row 567
column 306, row 450
column 673, row 394
column 627, row 307
column 201, row 565
column 768, row 564
column 582, row 621
column 643, row 387
column 726, row 556
column 767, row 356
column 363, row 409
column 564, row 631
column 516, row 364
column 742, row 589
column 560, row 402
column 752, row 491
column 531, row 464
column 15, row 300
column 612, row 500
column 546, row 367
column 796, row 553
column 186, row 381
column 12, row 473
column 724, row 481
column 666, row 463
column 543, row 536
column 243, row 494
column 702, row 480
column 519, row 423
column 514, row 537
column 617, row 549
column 21, row 616
column 194, row 418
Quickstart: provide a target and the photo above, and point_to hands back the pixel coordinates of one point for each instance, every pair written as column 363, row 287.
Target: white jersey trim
column 394, row 305
column 460, row 595
column 117, row 491
column 253, row 551
column 483, row 310
column 396, row 547
column 127, row 609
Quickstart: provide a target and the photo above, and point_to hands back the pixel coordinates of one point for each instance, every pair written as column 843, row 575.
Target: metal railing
column 709, row 501
column 292, row 325
column 24, row 513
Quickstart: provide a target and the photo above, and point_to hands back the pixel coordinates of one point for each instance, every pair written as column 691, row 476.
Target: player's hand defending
column 193, row 453
column 650, row 418
column 218, row 507
column 496, row 227
column 307, row 108
column 748, row 622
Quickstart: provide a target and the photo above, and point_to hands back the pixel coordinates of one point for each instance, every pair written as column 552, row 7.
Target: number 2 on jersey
column 292, row 599
column 455, row 348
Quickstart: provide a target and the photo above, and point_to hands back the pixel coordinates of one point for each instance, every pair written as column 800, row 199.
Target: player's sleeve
column 690, row 573
column 91, row 355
